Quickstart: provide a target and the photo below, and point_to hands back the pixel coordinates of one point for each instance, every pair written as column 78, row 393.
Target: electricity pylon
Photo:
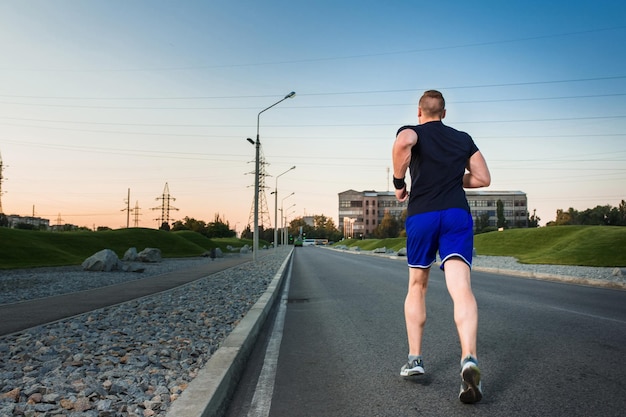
column 264, row 213
column 165, row 206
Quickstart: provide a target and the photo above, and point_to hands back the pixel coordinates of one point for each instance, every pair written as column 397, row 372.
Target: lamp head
column 250, row 140
column 290, row 95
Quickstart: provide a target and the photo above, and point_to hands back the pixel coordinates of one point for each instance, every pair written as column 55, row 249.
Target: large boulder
column 150, row 255
column 130, row 255
column 105, row 260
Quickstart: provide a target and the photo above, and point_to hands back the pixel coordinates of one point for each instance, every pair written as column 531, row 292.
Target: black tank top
column 438, row 162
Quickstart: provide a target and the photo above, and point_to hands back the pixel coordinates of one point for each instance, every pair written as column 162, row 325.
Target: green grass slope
column 563, row 245
column 28, row 248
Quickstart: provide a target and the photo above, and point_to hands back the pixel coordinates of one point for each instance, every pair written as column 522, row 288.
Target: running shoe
column 416, row 367
column 471, row 391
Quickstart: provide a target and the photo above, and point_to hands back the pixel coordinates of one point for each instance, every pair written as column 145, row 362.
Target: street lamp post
column 276, row 207
column 286, row 216
column 282, row 218
column 255, row 241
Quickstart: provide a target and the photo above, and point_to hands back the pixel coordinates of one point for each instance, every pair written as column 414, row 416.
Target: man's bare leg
column 415, row 308
column 458, row 281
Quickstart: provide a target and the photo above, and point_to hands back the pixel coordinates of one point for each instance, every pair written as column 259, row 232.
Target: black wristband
column 399, row 183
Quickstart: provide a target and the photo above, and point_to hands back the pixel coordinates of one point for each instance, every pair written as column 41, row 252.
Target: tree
column 598, row 216
column 533, row 221
column 563, row 218
column 481, row 223
column 501, row 220
column 296, row 224
column 189, row 223
column 219, row 228
column 324, row 228
column 388, row 227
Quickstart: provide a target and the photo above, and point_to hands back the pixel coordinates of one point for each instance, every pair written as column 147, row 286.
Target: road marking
column 262, row 399
column 589, row 315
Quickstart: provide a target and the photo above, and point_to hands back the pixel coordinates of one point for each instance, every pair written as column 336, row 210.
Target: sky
column 101, row 97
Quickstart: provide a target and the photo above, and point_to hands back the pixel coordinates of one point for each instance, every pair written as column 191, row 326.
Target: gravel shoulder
column 131, row 359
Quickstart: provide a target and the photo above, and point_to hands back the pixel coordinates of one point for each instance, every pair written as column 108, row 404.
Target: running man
column 442, row 161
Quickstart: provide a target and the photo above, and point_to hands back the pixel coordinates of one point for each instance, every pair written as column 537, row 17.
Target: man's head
column 432, row 106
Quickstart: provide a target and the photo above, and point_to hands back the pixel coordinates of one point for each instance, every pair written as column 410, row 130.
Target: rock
column 35, row 398
column 133, row 268
column 244, row 249
column 380, row 250
column 149, row 255
column 105, row 260
column 130, row 255
column 617, row 272
column 402, row 252
column 82, row 404
column 14, row 395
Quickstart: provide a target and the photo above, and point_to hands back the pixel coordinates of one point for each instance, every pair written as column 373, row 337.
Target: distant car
column 308, row 242
column 297, row 242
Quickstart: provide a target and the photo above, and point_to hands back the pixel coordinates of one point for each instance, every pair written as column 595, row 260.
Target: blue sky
column 101, row 96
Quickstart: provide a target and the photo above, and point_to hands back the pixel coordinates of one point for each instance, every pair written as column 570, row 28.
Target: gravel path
column 134, row 359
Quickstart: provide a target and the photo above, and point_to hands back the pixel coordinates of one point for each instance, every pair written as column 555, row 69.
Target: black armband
column 399, row 183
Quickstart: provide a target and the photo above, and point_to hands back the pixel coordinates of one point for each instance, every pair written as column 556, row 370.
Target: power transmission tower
column 165, row 206
column 264, row 213
column 136, row 214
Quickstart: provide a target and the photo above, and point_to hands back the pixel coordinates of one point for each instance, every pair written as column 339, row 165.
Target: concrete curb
column 208, row 393
column 589, row 282
column 557, row 278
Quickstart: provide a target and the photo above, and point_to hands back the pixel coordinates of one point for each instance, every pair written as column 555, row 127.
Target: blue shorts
column 448, row 231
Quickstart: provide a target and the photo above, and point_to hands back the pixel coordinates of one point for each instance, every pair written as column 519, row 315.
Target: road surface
column 545, row 348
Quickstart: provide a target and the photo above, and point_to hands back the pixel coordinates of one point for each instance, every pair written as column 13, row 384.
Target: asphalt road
column 545, row 348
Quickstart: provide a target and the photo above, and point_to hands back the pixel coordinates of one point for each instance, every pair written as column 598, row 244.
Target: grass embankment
column 559, row 245
column 28, row 248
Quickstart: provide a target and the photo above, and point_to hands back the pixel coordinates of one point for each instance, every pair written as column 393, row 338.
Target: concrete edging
column 208, row 393
column 589, row 282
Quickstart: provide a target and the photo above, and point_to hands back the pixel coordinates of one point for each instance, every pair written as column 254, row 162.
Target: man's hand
column 402, row 194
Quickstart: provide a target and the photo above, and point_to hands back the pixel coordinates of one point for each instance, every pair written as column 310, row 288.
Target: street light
column 276, row 207
column 255, row 241
column 282, row 218
column 286, row 216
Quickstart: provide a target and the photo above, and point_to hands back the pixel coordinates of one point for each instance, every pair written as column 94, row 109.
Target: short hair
column 432, row 103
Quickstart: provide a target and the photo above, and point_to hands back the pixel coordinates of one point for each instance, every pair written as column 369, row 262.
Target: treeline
column 214, row 229
column 322, row 228
column 597, row 216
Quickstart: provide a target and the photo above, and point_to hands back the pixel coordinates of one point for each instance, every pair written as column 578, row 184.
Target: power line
column 327, row 59
column 324, row 106
column 335, row 93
